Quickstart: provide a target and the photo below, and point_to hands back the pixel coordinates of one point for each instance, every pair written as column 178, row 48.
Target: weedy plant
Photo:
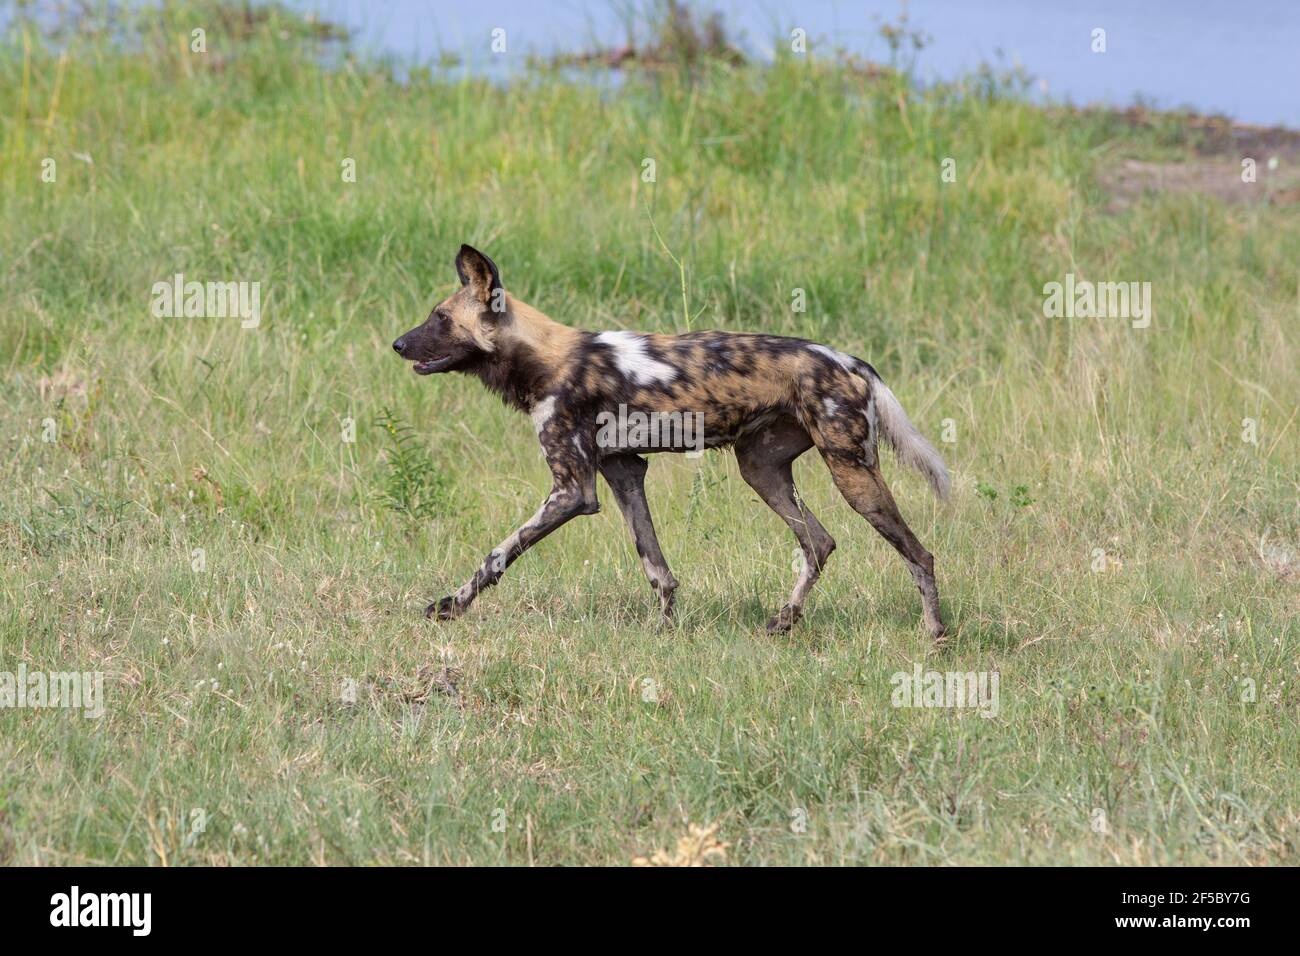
column 411, row 486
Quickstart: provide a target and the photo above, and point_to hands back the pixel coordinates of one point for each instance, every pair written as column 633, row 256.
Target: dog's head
column 461, row 330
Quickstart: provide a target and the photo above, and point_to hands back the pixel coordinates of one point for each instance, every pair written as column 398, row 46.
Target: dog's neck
column 531, row 352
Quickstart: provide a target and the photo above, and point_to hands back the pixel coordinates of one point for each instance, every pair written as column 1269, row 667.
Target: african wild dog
column 769, row 397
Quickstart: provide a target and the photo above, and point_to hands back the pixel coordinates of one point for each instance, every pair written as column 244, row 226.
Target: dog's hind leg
column 844, row 422
column 626, row 477
column 864, row 488
column 765, row 459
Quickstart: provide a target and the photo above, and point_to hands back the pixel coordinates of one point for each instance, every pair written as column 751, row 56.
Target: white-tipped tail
column 909, row 444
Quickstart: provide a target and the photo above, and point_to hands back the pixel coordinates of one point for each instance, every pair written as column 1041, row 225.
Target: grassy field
column 180, row 508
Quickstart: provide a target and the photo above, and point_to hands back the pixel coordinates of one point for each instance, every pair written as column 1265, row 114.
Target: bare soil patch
column 1218, row 150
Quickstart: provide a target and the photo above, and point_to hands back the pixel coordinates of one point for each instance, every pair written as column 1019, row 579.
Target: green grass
column 1121, row 690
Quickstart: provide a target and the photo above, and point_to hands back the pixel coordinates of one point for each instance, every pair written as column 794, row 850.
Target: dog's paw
column 785, row 619
column 445, row 610
column 666, row 615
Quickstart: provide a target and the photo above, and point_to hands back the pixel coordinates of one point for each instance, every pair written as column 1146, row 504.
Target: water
column 1239, row 59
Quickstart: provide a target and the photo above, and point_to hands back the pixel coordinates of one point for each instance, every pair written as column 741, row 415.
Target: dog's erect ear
column 479, row 274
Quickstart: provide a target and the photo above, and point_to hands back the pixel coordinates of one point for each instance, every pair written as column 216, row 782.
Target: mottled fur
column 769, row 397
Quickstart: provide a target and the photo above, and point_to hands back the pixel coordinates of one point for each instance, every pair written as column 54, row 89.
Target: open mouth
column 429, row 366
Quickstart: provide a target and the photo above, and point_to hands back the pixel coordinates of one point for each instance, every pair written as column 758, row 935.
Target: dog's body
column 769, row 397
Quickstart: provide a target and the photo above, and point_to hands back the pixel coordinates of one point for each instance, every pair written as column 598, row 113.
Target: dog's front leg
column 626, row 477
column 573, row 493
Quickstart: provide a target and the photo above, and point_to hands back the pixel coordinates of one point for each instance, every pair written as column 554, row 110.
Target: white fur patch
column 873, row 421
column 844, row 361
column 542, row 412
column 873, row 428
column 631, row 358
